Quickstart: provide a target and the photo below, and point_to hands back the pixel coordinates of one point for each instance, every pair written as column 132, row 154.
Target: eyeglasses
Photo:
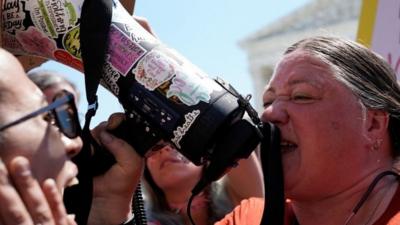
column 62, row 111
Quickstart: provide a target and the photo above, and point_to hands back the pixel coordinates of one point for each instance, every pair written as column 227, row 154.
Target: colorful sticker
column 10, row 43
column 110, row 78
column 67, row 59
column 53, row 17
column 154, row 69
column 12, row 16
column 190, row 88
column 72, row 43
column 35, row 42
column 124, row 53
column 181, row 131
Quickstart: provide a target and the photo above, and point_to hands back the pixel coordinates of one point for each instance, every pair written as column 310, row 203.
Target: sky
column 206, row 32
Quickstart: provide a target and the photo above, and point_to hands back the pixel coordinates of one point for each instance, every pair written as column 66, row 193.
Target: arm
column 113, row 191
column 245, row 180
column 25, row 201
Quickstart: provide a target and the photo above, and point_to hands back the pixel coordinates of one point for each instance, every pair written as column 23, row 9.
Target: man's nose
column 72, row 146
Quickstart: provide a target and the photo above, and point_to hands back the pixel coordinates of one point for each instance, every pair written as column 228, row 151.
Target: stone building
column 265, row 46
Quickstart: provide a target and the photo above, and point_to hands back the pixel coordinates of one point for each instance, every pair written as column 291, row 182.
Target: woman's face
column 50, row 93
column 322, row 125
column 171, row 170
column 53, row 90
column 37, row 139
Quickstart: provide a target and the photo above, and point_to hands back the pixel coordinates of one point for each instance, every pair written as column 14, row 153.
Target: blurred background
column 239, row 41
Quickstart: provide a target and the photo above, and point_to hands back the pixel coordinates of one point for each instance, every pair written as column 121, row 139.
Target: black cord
column 138, row 208
column 367, row 193
column 188, row 209
column 371, row 188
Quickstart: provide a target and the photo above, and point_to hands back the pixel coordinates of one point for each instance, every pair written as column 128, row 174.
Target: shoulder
column 249, row 212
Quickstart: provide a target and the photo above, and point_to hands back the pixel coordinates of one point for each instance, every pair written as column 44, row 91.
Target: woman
column 52, row 82
column 337, row 106
column 171, row 177
column 33, row 148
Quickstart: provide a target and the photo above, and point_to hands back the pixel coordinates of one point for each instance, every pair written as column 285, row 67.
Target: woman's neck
column 199, row 207
column 337, row 210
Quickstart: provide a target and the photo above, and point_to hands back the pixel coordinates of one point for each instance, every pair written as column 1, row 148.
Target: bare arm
column 246, row 180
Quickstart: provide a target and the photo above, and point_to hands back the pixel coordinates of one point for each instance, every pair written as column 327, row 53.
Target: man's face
column 36, row 139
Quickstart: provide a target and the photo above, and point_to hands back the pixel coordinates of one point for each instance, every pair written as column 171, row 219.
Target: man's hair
column 365, row 73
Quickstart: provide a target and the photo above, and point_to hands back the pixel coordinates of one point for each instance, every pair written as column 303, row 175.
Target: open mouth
column 69, row 183
column 287, row 146
column 72, row 175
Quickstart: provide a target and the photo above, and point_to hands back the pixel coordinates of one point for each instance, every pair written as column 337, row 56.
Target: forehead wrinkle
column 302, row 60
column 296, row 77
column 317, row 83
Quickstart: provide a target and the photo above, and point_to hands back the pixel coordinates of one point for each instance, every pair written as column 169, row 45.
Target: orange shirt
column 392, row 213
column 250, row 211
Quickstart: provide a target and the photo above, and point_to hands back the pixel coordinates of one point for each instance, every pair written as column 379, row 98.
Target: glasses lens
column 67, row 119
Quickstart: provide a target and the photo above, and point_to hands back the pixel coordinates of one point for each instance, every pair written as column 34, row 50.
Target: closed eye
column 267, row 103
column 302, row 98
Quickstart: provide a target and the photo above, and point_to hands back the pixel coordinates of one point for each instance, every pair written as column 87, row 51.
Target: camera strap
column 94, row 29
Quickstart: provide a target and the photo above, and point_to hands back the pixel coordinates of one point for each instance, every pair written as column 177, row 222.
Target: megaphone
column 165, row 97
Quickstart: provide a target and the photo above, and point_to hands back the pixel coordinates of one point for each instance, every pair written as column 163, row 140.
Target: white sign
column 379, row 29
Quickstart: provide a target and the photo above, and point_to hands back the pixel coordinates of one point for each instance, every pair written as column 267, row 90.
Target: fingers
column 30, row 191
column 125, row 155
column 115, row 120
column 25, row 202
column 12, row 210
column 127, row 158
column 145, row 24
column 56, row 204
column 96, row 131
column 129, row 5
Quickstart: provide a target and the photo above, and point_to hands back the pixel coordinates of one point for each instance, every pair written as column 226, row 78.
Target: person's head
column 36, row 138
column 337, row 105
column 169, row 171
column 51, row 83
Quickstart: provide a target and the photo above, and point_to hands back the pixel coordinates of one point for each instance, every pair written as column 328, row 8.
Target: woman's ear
column 377, row 123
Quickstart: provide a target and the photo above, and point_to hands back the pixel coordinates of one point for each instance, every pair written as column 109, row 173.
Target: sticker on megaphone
column 50, row 29
column 155, row 85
